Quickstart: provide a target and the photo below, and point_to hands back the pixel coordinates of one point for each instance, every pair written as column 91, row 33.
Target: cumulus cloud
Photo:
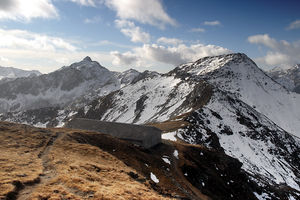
column 174, row 55
column 21, row 10
column 135, row 33
column 280, row 53
column 199, row 30
column 124, row 59
column 147, row 12
column 20, row 39
column 48, row 61
column 294, row 25
column 28, row 50
column 169, row 41
column 160, row 54
column 265, row 40
column 212, row 23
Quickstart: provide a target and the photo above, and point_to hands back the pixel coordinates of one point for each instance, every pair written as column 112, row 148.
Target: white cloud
column 48, row 61
column 148, row 54
column 124, row 59
column 160, row 54
column 4, row 59
column 280, row 53
column 147, row 12
column 135, row 33
column 199, row 30
column 212, row 23
column 27, row 50
column 20, row 39
column 170, row 41
column 263, row 39
column 21, row 10
column 294, row 25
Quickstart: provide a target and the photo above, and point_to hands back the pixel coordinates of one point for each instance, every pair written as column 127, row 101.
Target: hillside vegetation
column 62, row 163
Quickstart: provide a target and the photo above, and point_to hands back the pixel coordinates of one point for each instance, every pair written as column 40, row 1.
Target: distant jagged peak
column 131, row 70
column 87, row 58
column 86, row 63
column 296, row 67
column 12, row 73
column 284, row 69
column 279, row 71
column 276, row 69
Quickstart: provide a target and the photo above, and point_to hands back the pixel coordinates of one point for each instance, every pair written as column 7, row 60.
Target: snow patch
column 176, row 154
column 169, row 136
column 154, row 178
column 166, row 160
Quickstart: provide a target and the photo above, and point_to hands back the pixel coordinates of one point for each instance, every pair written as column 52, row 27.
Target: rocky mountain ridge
column 225, row 103
column 289, row 78
column 57, row 88
column 8, row 73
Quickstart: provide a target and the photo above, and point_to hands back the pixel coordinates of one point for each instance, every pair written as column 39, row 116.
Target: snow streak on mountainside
column 263, row 147
column 289, row 78
column 153, row 98
column 57, row 88
column 237, row 74
column 12, row 73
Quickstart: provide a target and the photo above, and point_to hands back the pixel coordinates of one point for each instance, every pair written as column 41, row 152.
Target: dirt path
column 48, row 171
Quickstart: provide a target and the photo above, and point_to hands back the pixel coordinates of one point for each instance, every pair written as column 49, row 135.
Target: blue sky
column 153, row 34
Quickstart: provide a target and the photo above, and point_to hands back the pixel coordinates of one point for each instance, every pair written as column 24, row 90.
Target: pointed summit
column 87, row 59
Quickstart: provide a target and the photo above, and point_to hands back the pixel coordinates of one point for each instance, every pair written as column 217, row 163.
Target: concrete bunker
column 146, row 136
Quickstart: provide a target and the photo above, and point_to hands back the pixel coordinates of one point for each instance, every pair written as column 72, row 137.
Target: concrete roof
column 146, row 136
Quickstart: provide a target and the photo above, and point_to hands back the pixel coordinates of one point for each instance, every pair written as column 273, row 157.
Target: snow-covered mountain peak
column 87, row 58
column 87, row 62
column 239, row 75
column 57, row 88
column 209, row 64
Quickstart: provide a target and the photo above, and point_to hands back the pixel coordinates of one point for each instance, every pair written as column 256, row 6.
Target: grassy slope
column 52, row 164
column 69, row 170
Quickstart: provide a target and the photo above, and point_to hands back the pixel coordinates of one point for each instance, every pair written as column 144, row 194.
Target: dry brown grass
column 19, row 149
column 65, row 170
column 87, row 172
